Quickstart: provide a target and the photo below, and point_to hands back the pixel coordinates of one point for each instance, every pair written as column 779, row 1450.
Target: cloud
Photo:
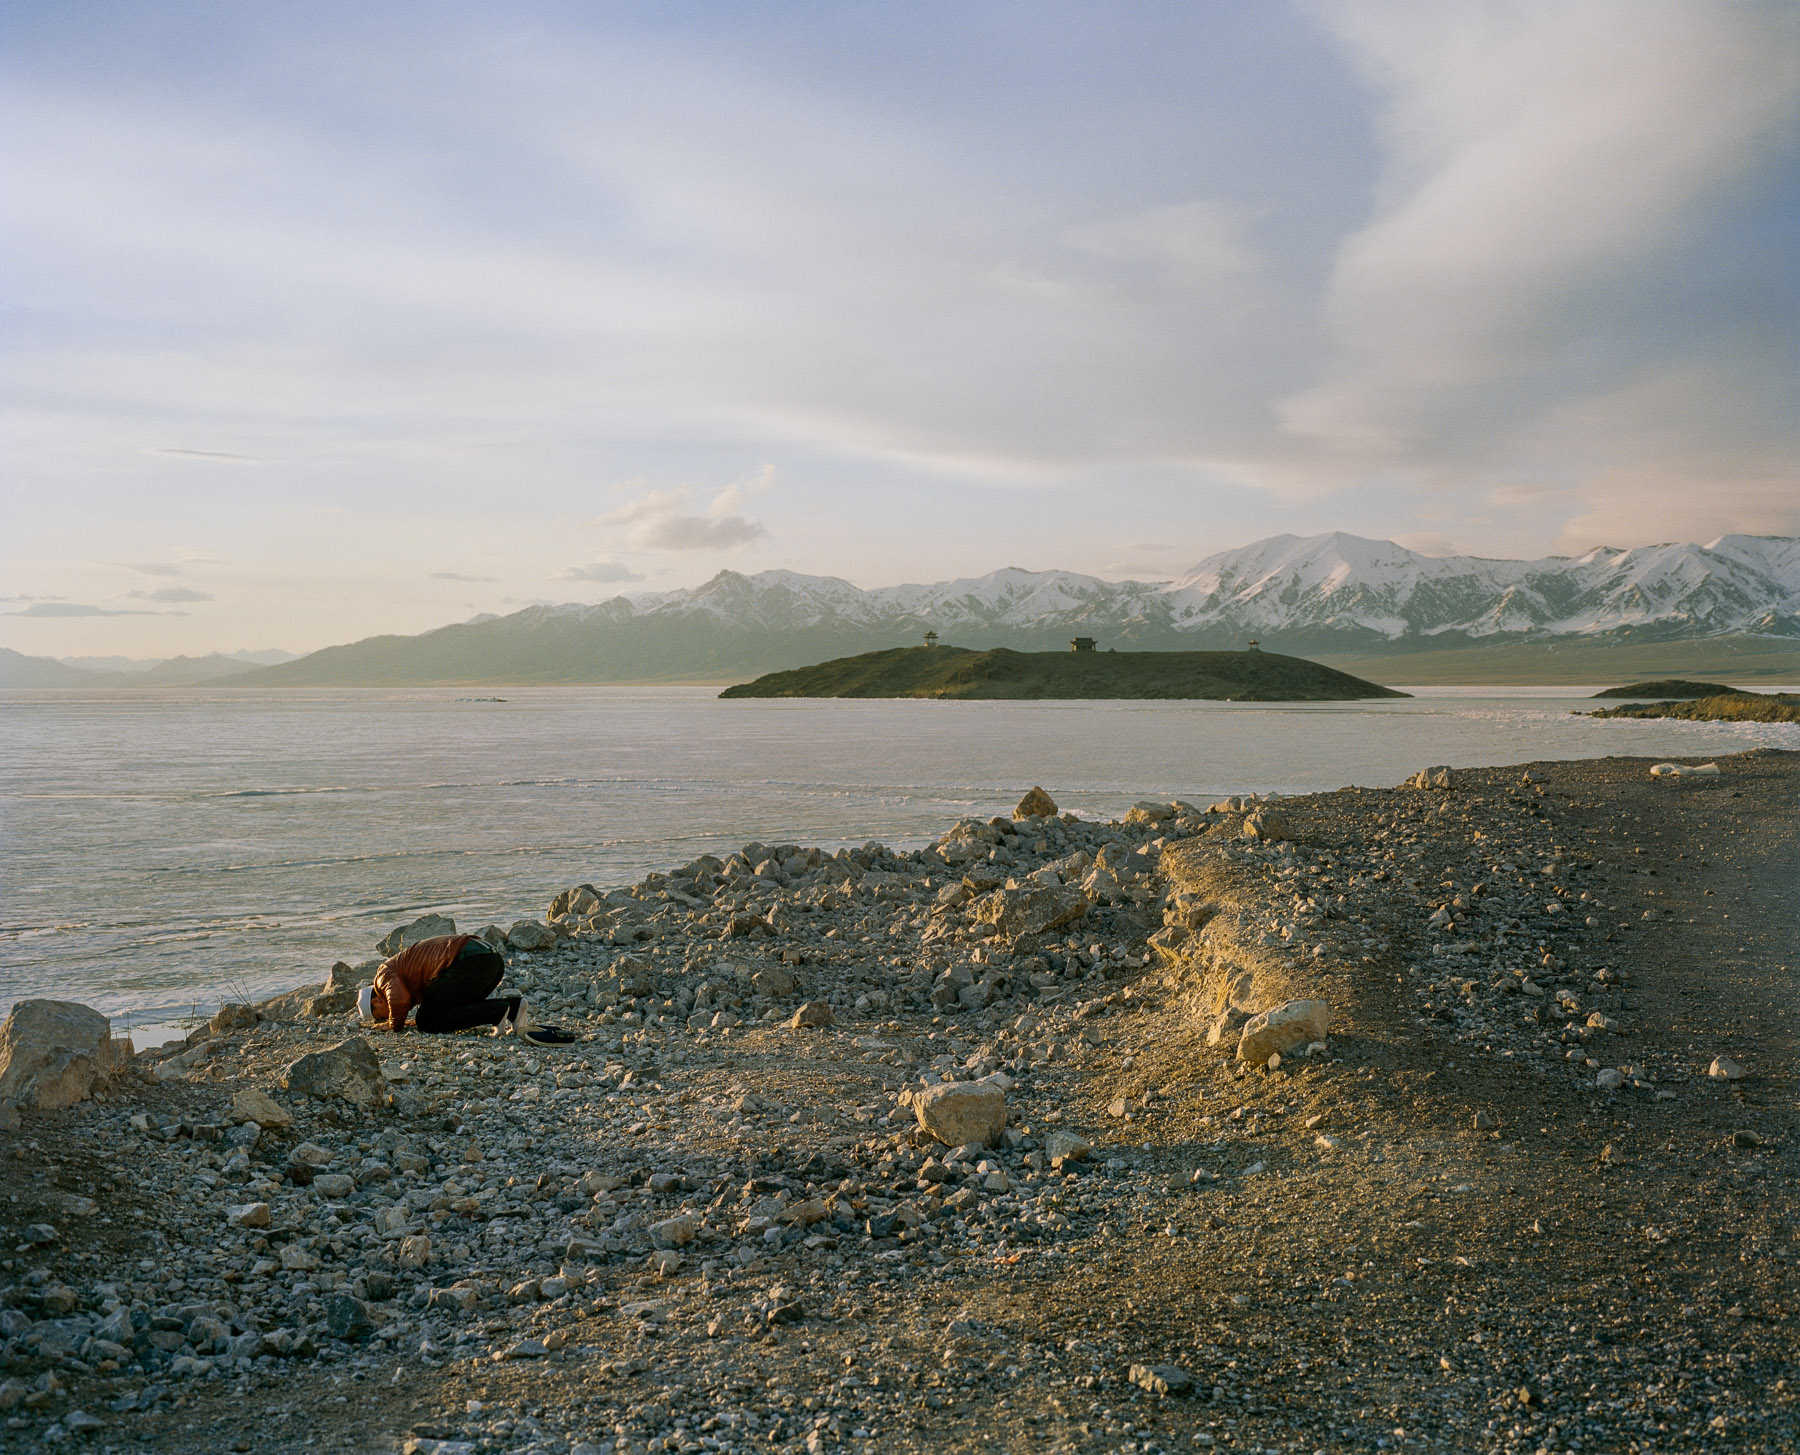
column 76, row 608
column 219, row 455
column 604, row 571
column 662, row 520
column 457, row 576
column 1189, row 245
column 1547, row 166
column 171, row 594
column 1422, row 248
column 152, row 568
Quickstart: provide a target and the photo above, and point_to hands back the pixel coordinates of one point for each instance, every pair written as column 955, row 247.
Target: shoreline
column 105, row 951
column 705, row 1215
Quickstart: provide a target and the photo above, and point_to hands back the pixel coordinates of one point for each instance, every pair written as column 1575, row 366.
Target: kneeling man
column 449, row 980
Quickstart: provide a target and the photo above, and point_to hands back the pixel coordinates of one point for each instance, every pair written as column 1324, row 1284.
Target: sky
column 328, row 320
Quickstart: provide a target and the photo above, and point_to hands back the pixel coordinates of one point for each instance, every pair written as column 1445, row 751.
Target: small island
column 1001, row 674
column 1670, row 689
column 1730, row 705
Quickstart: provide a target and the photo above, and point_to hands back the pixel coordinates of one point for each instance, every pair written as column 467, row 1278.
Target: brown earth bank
column 1498, row 1204
column 1731, row 706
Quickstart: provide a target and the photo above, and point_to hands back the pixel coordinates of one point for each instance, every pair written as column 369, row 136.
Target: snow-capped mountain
column 788, row 601
column 1331, row 582
column 1289, row 583
column 1313, row 595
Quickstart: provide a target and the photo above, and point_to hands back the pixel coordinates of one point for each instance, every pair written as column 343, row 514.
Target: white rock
column 961, row 1112
column 1102, row 886
column 1286, row 1028
column 1067, row 1145
column 1268, row 826
column 55, row 1053
column 675, row 1232
column 1034, row 910
column 349, row 1071
column 529, row 935
column 1724, row 1068
column 425, row 927
column 1161, row 1379
column 251, row 1105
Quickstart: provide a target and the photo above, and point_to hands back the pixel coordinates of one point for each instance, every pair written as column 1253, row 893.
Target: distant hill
column 1669, row 689
column 193, row 671
column 19, row 670
column 957, row 672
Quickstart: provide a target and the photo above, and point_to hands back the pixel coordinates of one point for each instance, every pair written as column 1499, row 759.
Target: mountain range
column 1333, row 595
column 19, row 670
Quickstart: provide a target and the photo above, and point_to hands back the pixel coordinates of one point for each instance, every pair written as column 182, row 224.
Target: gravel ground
column 1503, row 1208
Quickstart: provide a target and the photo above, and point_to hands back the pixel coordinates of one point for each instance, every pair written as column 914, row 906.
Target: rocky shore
column 1457, row 1115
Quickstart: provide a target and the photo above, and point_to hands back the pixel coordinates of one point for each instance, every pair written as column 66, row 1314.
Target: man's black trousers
column 457, row 998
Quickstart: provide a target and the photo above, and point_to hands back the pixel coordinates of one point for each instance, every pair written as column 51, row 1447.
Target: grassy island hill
column 959, row 672
column 1670, row 689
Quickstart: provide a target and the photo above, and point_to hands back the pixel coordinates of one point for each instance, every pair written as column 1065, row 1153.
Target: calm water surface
column 170, row 849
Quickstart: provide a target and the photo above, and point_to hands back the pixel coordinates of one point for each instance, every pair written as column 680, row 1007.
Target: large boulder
column 338, row 994
column 1102, row 886
column 1268, row 825
column 251, row 1105
column 1036, row 804
column 233, row 1017
column 1032, row 910
column 528, row 934
column 425, row 927
column 582, row 899
column 348, row 1071
column 287, row 1005
column 1439, row 778
column 54, row 1053
column 775, row 981
column 1285, row 1028
column 814, row 1015
column 960, row 1112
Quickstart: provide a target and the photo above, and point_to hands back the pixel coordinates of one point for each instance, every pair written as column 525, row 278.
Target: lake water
column 166, row 850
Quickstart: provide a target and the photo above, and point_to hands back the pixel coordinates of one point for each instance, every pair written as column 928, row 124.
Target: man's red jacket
column 402, row 977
